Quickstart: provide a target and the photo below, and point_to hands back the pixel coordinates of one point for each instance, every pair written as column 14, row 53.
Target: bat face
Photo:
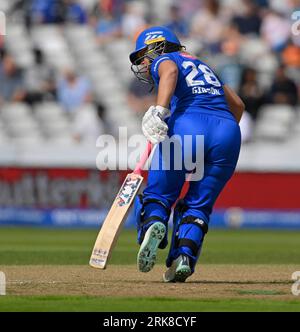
column 112, row 225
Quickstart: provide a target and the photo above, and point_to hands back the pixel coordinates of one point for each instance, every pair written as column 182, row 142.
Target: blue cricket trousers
column 222, row 140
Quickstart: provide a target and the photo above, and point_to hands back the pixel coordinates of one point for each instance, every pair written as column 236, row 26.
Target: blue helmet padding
column 153, row 33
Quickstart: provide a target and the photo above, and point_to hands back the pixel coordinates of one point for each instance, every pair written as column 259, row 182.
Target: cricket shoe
column 147, row 254
column 179, row 271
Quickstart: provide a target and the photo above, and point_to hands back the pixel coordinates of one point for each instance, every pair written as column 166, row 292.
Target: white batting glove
column 153, row 125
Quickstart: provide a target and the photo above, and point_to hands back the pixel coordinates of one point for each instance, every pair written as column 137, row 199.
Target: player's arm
column 235, row 103
column 154, row 127
column 168, row 73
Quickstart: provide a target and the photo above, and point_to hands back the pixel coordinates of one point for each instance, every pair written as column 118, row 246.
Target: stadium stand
column 71, row 44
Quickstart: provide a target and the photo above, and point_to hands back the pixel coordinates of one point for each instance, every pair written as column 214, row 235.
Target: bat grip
column 144, row 158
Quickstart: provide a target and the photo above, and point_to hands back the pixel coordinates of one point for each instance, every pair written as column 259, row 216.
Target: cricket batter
column 191, row 100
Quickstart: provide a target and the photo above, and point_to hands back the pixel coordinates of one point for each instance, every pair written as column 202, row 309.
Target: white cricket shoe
column 147, row 254
column 179, row 271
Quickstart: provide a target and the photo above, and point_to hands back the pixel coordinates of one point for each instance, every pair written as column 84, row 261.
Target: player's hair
column 172, row 47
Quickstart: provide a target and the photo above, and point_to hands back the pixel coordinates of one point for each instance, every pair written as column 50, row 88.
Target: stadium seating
column 19, row 45
column 107, row 67
column 275, row 122
column 51, row 40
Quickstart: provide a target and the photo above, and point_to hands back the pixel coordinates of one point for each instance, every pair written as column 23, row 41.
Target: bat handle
column 144, row 158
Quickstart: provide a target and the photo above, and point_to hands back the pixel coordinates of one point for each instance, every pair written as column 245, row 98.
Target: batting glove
column 153, row 125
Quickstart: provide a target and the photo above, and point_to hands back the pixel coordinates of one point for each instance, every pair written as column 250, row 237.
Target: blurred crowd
column 251, row 45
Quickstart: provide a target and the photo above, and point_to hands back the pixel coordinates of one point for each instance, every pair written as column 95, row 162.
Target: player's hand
column 153, row 125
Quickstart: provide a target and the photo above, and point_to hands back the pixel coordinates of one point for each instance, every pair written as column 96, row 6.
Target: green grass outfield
column 90, row 304
column 32, row 246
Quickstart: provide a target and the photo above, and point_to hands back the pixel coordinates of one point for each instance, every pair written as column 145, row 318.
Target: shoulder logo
column 187, row 55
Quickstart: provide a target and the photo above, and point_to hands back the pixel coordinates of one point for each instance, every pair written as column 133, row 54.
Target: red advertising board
column 86, row 188
column 262, row 191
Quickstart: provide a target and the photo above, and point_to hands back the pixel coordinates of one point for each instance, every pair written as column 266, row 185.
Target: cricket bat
column 117, row 214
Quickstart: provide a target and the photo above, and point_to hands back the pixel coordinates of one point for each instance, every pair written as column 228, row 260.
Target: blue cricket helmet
column 153, row 35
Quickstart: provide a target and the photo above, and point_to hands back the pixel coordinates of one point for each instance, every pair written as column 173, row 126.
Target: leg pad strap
column 195, row 221
column 190, row 244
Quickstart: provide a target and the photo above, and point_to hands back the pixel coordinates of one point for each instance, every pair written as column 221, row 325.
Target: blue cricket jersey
column 198, row 87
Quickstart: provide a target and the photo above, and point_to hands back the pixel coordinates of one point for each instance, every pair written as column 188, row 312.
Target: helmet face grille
column 151, row 52
column 141, row 72
column 154, row 50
